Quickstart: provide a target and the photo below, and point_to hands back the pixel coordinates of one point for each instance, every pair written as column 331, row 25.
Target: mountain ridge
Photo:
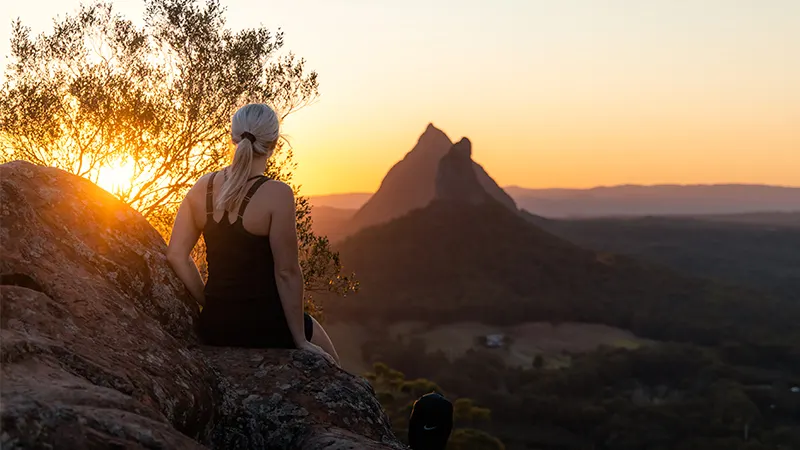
column 541, row 201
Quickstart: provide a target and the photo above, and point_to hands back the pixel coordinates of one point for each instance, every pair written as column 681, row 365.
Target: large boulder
column 99, row 348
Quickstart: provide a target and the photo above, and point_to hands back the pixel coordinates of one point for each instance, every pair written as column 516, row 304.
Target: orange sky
column 552, row 94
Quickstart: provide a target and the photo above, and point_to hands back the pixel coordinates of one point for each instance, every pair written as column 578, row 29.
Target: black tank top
column 243, row 307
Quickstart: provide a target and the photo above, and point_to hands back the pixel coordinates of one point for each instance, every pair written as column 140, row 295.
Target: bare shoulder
column 275, row 195
column 279, row 189
column 199, row 187
column 202, row 182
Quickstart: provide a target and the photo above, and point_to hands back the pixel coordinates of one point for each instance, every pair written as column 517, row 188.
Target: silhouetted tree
column 99, row 92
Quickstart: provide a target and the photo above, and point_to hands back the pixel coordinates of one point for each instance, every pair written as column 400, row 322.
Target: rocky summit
column 411, row 183
column 456, row 180
column 99, row 348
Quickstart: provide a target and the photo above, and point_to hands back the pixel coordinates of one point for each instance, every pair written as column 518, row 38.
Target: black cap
column 431, row 423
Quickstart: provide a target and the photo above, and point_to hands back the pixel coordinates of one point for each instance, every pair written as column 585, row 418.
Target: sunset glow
column 114, row 177
column 552, row 94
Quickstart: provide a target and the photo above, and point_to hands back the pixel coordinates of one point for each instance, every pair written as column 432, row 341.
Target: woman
column 254, row 293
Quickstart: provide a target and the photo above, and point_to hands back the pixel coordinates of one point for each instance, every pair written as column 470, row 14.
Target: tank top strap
column 261, row 180
column 210, row 195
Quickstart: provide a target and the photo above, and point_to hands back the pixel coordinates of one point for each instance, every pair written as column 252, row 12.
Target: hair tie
column 249, row 136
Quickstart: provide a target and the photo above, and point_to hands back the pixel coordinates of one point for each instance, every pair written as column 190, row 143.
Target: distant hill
column 341, row 201
column 632, row 200
column 331, row 222
column 761, row 220
column 469, row 257
column 757, row 250
column 409, row 184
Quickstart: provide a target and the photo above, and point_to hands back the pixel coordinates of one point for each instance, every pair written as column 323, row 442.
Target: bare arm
column 185, row 234
column 289, row 276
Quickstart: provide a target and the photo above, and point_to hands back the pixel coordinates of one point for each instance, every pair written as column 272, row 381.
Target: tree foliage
column 99, row 92
column 472, row 439
column 660, row 396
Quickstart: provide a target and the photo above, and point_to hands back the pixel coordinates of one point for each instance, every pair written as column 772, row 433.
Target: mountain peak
column 412, row 182
column 456, row 180
column 433, row 140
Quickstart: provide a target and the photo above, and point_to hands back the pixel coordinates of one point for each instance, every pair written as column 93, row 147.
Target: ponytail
column 233, row 187
column 255, row 129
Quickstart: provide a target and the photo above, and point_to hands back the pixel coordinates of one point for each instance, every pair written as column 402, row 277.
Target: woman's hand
column 308, row 346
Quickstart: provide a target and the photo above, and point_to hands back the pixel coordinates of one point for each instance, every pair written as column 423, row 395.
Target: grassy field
column 554, row 342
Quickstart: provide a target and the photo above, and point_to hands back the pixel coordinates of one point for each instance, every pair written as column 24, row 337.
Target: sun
column 115, row 176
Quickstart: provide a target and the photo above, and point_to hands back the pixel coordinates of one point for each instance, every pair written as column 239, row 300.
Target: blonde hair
column 255, row 129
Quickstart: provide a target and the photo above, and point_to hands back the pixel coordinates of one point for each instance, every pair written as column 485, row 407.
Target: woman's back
column 240, row 263
column 243, row 306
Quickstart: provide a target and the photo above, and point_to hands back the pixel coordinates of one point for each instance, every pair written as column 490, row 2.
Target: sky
column 564, row 93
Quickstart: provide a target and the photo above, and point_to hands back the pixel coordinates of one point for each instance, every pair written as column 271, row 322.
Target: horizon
column 553, row 96
column 612, row 186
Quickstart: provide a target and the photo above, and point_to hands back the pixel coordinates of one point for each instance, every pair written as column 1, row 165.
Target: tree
column 466, row 413
column 99, row 94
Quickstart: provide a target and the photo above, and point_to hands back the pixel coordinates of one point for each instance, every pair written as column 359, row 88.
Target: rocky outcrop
column 456, row 180
column 99, row 348
column 293, row 399
column 411, row 183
